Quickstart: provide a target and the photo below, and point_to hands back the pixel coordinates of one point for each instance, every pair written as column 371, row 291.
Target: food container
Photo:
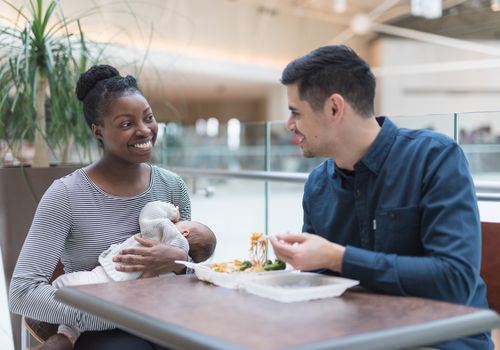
column 284, row 285
column 232, row 280
column 298, row 286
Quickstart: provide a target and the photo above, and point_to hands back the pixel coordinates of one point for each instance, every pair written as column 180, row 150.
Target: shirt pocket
column 397, row 231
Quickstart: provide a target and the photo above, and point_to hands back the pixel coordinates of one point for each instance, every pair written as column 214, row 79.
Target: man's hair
column 333, row 69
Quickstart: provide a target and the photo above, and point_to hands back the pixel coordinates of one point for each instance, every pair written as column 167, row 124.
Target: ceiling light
column 339, row 6
column 495, row 5
column 361, row 24
column 427, row 8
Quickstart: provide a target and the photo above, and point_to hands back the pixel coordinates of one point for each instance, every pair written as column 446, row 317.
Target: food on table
column 257, row 262
column 258, row 251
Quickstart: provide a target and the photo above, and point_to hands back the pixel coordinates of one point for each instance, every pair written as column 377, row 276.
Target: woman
column 83, row 213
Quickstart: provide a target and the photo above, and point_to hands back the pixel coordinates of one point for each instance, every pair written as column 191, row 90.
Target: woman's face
column 128, row 129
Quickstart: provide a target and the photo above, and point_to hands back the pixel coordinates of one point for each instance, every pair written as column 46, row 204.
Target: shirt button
column 392, row 215
column 358, row 193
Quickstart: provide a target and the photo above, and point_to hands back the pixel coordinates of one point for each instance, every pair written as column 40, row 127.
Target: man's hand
column 153, row 258
column 308, row 252
column 55, row 342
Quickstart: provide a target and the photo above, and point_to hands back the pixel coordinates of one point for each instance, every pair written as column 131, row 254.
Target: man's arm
column 449, row 233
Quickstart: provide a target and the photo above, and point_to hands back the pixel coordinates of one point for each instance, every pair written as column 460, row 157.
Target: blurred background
column 198, row 59
column 204, row 63
column 211, row 69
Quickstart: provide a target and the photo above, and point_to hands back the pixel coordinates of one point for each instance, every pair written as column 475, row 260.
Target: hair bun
column 89, row 79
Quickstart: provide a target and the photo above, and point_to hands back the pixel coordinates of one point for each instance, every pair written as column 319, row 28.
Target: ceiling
column 470, row 20
column 232, row 48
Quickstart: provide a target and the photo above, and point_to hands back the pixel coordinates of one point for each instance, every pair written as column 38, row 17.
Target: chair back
column 39, row 330
column 490, row 262
column 6, row 338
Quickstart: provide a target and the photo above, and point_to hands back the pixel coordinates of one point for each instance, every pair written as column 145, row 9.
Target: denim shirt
column 408, row 217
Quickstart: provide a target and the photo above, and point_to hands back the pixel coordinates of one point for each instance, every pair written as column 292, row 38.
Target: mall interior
column 211, row 70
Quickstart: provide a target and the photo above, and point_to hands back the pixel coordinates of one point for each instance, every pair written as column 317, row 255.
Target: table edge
column 431, row 332
column 139, row 324
column 173, row 335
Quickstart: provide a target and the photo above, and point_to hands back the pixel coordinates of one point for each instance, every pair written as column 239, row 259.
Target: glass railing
column 249, row 178
column 232, row 193
column 269, row 146
column 479, row 136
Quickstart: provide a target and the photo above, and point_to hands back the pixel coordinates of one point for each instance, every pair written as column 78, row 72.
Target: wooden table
column 183, row 313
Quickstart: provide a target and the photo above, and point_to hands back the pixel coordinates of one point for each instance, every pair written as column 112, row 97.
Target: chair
column 490, row 262
column 6, row 338
column 490, row 267
column 38, row 330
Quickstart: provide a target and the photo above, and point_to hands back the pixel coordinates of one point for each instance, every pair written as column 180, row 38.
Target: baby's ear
column 185, row 232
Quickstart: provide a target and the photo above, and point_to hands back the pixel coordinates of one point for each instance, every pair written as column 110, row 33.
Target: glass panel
column 285, row 154
column 479, row 136
column 488, row 211
column 231, row 146
column 285, row 207
column 443, row 123
column 232, row 208
column 251, row 153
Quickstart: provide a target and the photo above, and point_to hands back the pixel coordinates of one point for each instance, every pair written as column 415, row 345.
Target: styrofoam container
column 232, row 280
column 283, row 285
column 298, row 286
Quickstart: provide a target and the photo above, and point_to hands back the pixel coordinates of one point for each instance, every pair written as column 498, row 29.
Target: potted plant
column 43, row 52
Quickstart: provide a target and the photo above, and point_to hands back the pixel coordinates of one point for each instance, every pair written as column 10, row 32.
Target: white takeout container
column 298, row 286
column 232, row 280
column 283, row 285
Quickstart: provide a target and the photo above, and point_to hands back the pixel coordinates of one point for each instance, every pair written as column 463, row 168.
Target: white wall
column 404, row 88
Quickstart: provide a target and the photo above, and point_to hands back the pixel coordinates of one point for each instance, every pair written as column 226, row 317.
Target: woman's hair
column 98, row 87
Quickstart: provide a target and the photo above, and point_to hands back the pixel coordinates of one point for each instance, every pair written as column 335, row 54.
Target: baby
column 158, row 221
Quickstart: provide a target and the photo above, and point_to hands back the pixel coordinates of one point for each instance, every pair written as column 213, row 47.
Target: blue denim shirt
column 408, row 217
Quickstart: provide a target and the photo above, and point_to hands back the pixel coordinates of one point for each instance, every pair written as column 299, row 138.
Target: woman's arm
column 155, row 258
column 30, row 293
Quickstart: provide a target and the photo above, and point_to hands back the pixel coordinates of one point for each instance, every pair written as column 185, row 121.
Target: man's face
column 308, row 125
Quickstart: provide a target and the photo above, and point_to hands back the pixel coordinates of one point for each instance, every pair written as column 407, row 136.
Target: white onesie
column 156, row 222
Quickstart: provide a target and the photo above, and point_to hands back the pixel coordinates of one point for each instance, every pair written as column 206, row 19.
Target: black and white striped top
column 75, row 221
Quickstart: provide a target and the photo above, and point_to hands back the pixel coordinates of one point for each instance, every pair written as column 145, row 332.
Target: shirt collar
column 377, row 153
column 380, row 148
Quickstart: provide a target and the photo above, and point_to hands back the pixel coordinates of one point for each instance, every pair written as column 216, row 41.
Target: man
column 393, row 208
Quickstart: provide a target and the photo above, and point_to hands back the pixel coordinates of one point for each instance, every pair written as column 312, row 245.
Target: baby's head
column 201, row 239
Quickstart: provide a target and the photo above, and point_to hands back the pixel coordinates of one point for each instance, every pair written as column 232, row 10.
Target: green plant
column 42, row 53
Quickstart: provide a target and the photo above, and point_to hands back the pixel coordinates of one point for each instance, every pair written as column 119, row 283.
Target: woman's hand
column 153, row 258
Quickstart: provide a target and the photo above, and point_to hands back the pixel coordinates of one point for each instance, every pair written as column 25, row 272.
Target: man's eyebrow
column 293, row 109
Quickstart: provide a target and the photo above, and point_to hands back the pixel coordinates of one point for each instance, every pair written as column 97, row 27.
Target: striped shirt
column 75, row 221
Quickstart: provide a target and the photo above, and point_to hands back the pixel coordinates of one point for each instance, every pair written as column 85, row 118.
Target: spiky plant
column 42, row 53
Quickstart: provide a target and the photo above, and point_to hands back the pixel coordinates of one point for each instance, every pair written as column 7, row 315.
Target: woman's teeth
column 143, row 145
